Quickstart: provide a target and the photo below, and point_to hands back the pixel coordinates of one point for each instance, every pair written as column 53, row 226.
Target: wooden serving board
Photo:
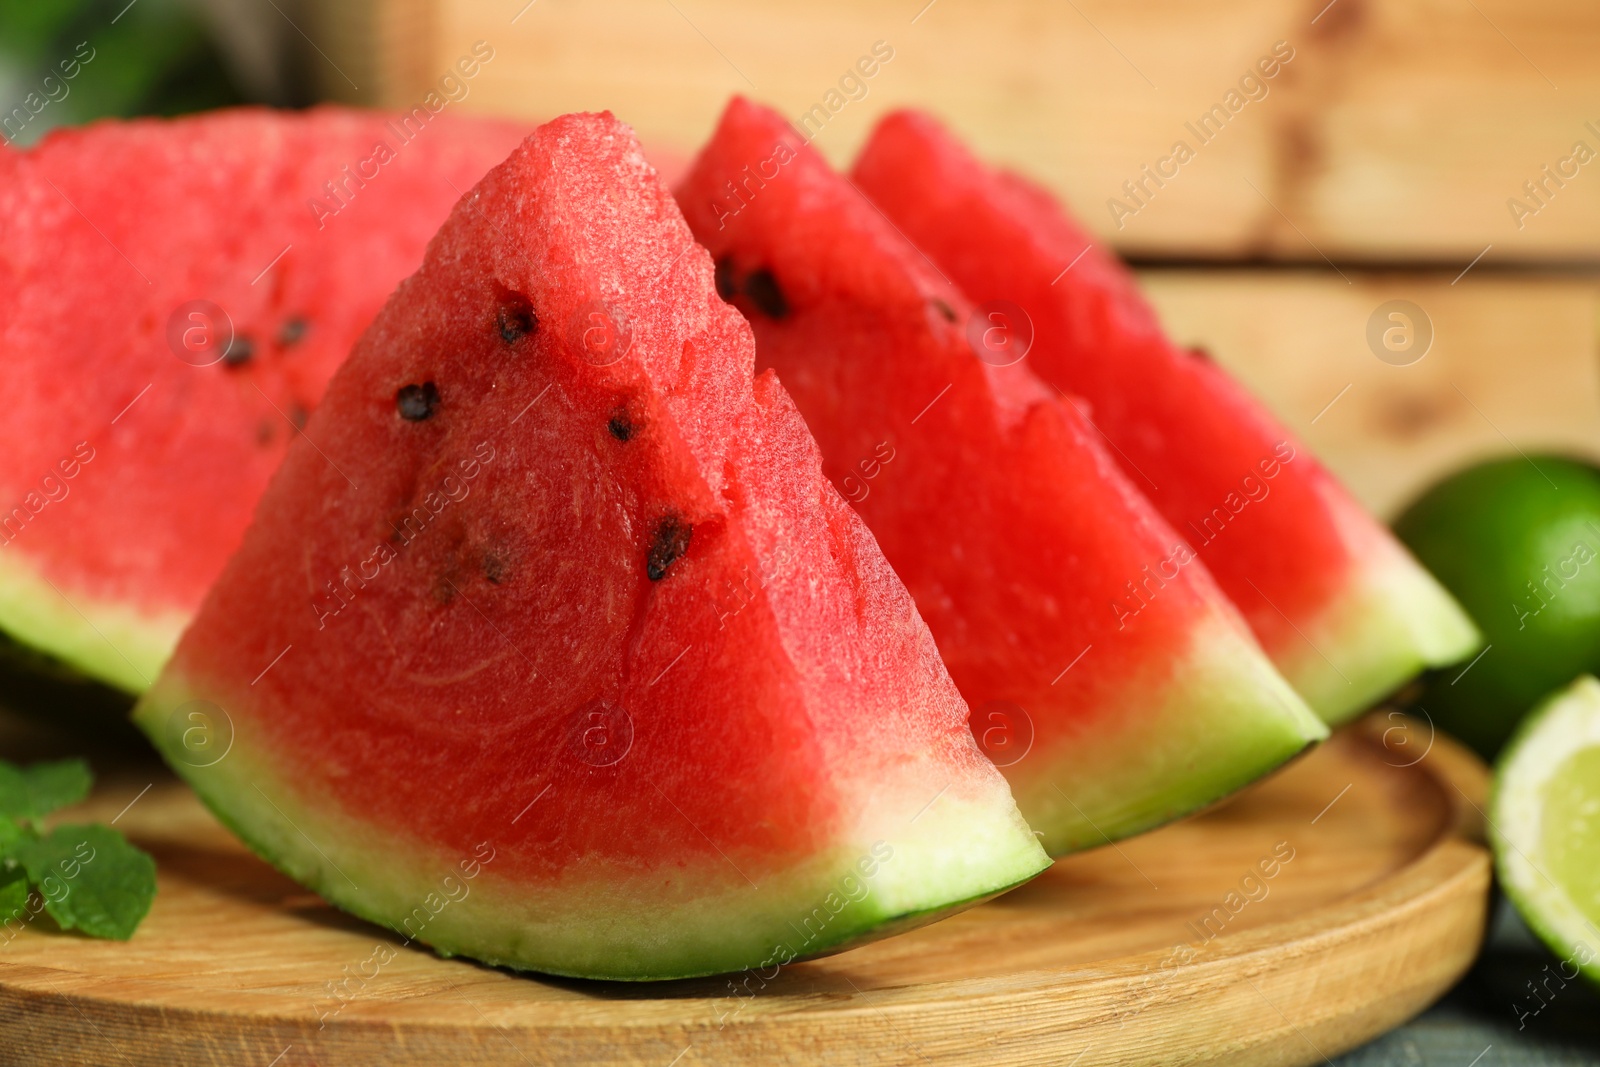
column 1311, row 913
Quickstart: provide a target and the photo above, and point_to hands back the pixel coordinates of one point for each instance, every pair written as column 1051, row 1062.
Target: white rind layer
column 911, row 855
column 108, row 641
column 1223, row 718
column 1392, row 620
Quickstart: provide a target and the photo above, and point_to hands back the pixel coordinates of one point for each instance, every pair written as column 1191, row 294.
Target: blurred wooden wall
column 1386, row 154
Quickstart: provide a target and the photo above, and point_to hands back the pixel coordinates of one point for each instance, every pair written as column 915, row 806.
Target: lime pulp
column 1544, row 824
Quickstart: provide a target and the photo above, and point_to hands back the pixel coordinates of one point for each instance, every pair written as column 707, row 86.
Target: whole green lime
column 1517, row 541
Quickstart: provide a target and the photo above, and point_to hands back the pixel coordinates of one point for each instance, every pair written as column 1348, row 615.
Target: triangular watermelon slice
column 551, row 645
column 138, row 439
column 1107, row 674
column 1346, row 613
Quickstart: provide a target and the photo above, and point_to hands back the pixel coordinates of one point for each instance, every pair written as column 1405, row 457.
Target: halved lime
column 1545, row 825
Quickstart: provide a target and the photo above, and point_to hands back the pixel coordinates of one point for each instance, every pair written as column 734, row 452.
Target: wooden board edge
column 1305, row 986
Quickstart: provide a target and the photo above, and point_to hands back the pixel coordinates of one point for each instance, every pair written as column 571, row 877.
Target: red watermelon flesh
column 1107, row 674
column 1342, row 608
column 130, row 473
column 553, row 608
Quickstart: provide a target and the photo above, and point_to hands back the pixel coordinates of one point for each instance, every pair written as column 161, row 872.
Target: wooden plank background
column 1398, row 132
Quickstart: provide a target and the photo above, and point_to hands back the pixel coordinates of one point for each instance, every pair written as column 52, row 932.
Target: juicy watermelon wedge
column 1111, row 679
column 551, row 645
column 135, row 450
column 1345, row 612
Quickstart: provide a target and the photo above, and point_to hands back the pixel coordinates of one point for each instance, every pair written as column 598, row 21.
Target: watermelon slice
column 550, row 645
column 1107, row 673
column 1346, row 613
column 138, row 437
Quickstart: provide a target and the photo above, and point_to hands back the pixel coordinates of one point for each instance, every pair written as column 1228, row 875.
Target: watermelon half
column 1111, row 679
column 1346, row 613
column 180, row 293
column 551, row 645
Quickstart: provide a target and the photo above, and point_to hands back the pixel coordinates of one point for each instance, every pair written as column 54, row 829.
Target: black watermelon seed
column 416, row 402
column 724, row 279
column 945, row 309
column 239, row 351
column 517, row 319
column 298, row 415
column 671, row 541
column 762, row 289
column 293, row 331
column 621, row 425
column 494, row 567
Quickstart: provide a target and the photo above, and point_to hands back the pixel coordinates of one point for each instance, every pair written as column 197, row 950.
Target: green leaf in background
column 40, row 788
column 13, row 894
column 11, row 832
column 33, row 27
column 153, row 57
column 91, row 879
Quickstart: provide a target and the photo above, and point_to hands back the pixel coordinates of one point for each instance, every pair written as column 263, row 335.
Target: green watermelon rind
column 1391, row 621
column 105, row 640
column 1223, row 719
column 934, row 870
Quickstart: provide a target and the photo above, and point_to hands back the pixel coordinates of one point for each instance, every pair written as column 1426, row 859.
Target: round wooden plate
column 1311, row 913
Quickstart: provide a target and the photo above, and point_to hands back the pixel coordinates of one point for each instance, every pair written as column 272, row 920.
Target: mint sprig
column 35, row 791
column 87, row 877
column 13, row 894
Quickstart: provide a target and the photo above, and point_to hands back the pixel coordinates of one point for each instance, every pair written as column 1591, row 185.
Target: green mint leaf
column 12, row 832
column 40, row 788
column 91, row 879
column 13, row 895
